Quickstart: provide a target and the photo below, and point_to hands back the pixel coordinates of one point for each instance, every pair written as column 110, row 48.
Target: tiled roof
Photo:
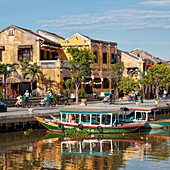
column 34, row 34
column 148, row 55
column 53, row 34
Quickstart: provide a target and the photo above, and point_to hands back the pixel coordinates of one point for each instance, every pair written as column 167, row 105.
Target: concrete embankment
column 16, row 119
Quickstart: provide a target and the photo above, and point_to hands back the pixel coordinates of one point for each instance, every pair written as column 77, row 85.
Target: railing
column 54, row 63
column 65, row 63
column 48, row 63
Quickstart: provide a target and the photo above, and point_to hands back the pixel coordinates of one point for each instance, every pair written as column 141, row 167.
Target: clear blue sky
column 143, row 24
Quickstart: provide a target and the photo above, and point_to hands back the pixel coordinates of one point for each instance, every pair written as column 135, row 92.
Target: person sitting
column 46, row 99
column 19, row 100
column 51, row 96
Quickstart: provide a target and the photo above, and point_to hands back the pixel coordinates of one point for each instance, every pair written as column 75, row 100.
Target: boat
column 94, row 119
column 147, row 114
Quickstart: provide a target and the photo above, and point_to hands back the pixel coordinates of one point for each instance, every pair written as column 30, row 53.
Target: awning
column 25, row 46
column 12, row 80
column 2, row 47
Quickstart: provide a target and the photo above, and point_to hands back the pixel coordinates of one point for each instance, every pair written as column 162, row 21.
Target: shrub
column 1, row 96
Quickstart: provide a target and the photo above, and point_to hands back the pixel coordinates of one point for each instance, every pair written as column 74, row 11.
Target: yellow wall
column 11, row 43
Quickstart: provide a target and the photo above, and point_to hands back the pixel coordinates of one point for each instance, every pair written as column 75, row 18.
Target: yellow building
column 50, row 52
column 18, row 42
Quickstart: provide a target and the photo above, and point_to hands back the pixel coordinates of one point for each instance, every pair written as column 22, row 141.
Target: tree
column 127, row 84
column 115, row 73
column 159, row 76
column 80, row 66
column 2, row 68
column 35, row 73
column 68, row 83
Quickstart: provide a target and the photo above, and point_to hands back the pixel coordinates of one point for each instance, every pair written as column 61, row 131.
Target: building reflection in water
column 54, row 152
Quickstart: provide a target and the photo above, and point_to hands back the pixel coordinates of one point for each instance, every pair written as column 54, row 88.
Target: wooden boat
column 95, row 120
column 140, row 114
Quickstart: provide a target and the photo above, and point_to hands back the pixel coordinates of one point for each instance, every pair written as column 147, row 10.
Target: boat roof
column 140, row 109
column 89, row 110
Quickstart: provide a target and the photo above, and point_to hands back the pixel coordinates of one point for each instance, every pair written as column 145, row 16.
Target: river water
column 41, row 150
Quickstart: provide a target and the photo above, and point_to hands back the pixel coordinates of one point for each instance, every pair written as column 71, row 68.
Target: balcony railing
column 54, row 63
column 48, row 63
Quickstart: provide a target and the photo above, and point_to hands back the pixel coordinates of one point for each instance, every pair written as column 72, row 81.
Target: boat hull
column 157, row 124
column 58, row 127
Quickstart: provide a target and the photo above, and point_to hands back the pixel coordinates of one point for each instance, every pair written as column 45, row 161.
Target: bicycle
column 49, row 103
column 26, row 104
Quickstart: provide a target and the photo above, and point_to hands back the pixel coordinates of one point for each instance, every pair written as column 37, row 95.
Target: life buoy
column 80, row 126
column 100, row 129
column 61, row 127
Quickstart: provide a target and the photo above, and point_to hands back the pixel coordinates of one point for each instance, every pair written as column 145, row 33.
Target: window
column 42, row 55
column 113, row 58
column 54, row 55
column 104, row 57
column 47, row 55
column 96, row 81
column 11, row 32
column 24, row 53
column 105, row 83
column 96, row 54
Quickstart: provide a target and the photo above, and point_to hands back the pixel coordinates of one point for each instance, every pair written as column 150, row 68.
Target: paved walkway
column 14, row 112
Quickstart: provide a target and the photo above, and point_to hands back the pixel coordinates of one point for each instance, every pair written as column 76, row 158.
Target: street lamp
column 9, row 69
column 142, row 76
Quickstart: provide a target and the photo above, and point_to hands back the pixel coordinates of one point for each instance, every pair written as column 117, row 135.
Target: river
column 41, row 150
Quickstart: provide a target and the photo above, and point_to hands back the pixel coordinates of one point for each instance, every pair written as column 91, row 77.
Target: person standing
column 164, row 94
column 136, row 95
column 111, row 96
column 27, row 95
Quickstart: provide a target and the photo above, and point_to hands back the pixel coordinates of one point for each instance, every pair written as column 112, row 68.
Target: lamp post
column 9, row 68
column 142, row 76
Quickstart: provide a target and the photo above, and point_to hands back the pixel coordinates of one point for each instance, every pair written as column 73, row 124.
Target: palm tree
column 35, row 73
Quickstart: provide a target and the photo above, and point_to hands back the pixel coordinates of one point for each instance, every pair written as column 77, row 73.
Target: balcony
column 54, row 63
column 48, row 63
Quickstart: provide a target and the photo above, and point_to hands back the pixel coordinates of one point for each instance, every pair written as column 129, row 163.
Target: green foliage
column 128, row 85
column 27, row 132
column 1, row 95
column 34, row 71
column 68, row 83
column 80, row 66
column 2, row 68
column 55, row 96
column 115, row 73
column 158, row 75
column 24, row 63
column 83, row 93
column 77, row 134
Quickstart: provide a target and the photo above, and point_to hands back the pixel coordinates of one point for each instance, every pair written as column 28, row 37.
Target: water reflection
column 54, row 151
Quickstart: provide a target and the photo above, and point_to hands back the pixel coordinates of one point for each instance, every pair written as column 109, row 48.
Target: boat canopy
column 88, row 112
column 142, row 109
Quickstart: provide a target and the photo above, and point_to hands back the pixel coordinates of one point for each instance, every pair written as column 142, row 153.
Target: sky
column 132, row 24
